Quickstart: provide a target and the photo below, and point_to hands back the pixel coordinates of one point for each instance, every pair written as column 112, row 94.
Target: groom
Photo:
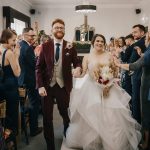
column 54, row 78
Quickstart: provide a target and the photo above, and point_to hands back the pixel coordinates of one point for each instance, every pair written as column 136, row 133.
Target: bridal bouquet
column 105, row 79
column 106, row 75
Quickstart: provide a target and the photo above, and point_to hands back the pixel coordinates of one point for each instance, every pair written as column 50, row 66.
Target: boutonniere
column 67, row 54
column 69, row 45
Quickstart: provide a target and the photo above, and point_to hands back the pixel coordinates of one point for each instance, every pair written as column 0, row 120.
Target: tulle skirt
column 99, row 123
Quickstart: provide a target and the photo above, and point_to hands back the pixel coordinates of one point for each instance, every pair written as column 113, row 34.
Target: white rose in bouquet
column 106, row 73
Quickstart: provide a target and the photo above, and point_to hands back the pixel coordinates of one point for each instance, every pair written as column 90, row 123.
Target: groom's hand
column 42, row 91
column 76, row 72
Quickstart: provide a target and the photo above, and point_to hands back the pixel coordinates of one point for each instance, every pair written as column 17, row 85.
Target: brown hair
column 95, row 36
column 6, row 35
column 25, row 30
column 141, row 27
column 130, row 36
column 58, row 21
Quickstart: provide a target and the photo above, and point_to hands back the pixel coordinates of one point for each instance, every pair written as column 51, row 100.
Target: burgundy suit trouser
column 62, row 99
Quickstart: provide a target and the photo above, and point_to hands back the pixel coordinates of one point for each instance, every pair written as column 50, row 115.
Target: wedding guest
column 27, row 78
column 138, row 32
column 9, row 86
column 143, row 62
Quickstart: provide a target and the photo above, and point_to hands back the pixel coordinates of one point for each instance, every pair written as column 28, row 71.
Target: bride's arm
column 84, row 66
column 94, row 74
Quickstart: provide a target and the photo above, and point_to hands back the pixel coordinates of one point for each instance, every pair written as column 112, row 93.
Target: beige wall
column 21, row 5
column 110, row 21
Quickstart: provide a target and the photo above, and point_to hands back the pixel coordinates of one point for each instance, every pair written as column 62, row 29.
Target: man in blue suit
column 138, row 32
column 27, row 78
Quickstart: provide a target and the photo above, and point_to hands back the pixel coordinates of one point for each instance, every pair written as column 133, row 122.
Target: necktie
column 57, row 51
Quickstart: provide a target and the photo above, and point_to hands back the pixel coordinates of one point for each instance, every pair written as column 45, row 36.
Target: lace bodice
column 104, row 70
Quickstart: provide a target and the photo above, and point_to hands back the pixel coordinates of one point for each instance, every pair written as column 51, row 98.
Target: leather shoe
column 65, row 129
column 142, row 148
column 38, row 131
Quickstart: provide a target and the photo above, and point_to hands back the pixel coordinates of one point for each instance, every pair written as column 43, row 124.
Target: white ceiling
column 44, row 2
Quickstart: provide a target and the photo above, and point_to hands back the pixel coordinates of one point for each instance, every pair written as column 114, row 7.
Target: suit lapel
column 51, row 48
column 63, row 51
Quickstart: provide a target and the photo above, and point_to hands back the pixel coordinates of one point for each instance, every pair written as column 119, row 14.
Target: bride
column 100, row 118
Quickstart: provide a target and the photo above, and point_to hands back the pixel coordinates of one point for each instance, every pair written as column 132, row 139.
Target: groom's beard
column 59, row 35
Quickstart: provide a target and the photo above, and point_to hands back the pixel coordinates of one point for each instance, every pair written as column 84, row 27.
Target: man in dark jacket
column 27, row 78
column 138, row 32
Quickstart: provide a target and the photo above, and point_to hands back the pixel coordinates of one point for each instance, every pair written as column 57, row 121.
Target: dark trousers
column 34, row 101
column 62, row 99
column 11, row 94
column 136, row 107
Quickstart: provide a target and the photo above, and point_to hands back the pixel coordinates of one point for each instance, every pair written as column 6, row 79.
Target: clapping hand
column 138, row 49
column 118, row 50
column 116, row 61
column 17, row 49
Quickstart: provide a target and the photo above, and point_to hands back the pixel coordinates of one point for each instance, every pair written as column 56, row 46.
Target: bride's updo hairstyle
column 95, row 36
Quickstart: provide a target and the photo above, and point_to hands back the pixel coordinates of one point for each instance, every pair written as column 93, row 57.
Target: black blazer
column 147, row 57
column 125, row 56
column 27, row 64
column 140, row 43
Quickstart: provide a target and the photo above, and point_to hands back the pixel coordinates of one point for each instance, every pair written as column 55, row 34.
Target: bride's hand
column 106, row 91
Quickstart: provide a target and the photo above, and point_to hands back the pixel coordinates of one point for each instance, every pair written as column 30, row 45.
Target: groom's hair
column 98, row 35
column 58, row 21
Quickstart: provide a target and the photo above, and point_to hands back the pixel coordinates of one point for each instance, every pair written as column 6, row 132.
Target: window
column 18, row 26
column 15, row 19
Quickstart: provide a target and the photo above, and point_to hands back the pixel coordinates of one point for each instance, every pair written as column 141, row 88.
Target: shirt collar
column 60, row 42
column 27, row 42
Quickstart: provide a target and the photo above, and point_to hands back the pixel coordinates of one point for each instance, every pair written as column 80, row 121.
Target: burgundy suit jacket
column 45, row 65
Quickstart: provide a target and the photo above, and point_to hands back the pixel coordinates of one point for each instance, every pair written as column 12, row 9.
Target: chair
column 24, row 113
column 7, row 137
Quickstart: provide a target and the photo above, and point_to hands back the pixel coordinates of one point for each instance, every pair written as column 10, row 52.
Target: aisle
column 38, row 142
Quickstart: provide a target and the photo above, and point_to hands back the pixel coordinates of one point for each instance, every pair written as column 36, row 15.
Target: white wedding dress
column 99, row 123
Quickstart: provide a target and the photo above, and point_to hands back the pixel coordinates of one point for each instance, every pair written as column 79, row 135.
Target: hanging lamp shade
column 85, row 8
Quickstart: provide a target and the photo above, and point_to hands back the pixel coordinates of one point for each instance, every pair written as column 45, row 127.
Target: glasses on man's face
column 32, row 35
column 59, row 28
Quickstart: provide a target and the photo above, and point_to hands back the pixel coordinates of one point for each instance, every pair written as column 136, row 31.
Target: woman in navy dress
column 9, row 86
